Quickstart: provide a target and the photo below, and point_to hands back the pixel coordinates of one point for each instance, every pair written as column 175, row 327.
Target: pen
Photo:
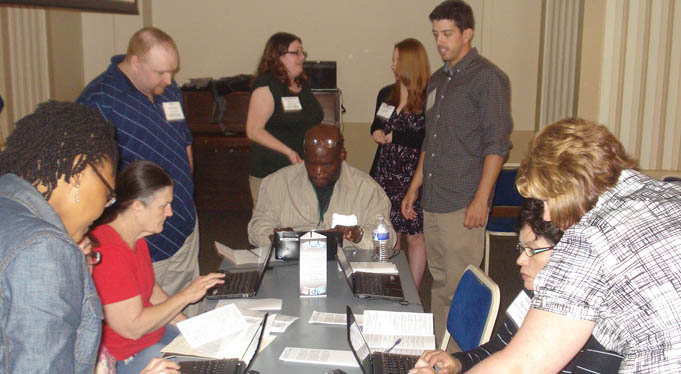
column 398, row 341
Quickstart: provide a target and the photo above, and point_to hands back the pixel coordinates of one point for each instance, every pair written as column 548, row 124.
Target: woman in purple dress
column 398, row 128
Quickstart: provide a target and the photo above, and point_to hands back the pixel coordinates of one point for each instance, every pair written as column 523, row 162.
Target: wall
column 65, row 49
column 218, row 38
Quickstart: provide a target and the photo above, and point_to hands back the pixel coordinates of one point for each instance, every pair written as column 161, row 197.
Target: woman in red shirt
column 139, row 317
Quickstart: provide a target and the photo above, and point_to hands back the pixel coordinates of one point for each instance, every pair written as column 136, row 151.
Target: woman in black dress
column 398, row 128
column 281, row 109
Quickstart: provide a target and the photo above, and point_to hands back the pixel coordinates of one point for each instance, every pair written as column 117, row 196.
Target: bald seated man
column 304, row 196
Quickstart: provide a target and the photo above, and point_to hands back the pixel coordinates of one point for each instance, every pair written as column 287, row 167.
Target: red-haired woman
column 398, row 128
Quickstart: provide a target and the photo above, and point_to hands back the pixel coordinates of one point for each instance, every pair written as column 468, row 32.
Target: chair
column 506, row 205
column 473, row 311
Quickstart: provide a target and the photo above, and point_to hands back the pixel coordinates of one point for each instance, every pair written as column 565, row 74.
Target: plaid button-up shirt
column 620, row 267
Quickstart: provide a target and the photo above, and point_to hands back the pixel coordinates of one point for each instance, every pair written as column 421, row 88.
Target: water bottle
column 381, row 237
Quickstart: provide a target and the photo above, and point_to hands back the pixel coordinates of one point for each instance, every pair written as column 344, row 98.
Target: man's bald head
column 323, row 149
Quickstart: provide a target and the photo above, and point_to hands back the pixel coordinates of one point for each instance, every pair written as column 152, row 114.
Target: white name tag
column 431, row 99
column 519, row 308
column 291, row 104
column 173, row 111
column 385, row 111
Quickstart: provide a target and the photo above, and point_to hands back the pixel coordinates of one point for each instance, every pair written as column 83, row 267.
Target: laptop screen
column 344, row 263
column 253, row 346
column 358, row 345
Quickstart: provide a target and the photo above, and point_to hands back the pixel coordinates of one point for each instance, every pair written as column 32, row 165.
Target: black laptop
column 240, row 284
column 375, row 362
column 228, row 366
column 287, row 243
column 370, row 285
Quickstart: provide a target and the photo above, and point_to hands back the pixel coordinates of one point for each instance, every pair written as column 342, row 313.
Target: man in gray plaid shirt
column 468, row 122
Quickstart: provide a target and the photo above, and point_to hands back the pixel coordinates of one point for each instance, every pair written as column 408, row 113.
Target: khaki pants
column 450, row 247
column 254, row 183
column 178, row 271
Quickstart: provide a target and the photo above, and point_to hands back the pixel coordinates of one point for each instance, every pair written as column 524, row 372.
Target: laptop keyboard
column 236, row 283
column 396, row 364
column 209, row 366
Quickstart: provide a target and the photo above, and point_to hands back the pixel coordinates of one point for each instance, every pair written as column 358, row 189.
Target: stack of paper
column 414, row 331
column 241, row 256
column 221, row 333
column 374, row 267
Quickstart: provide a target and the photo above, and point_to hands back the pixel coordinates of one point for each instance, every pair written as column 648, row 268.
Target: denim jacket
column 50, row 314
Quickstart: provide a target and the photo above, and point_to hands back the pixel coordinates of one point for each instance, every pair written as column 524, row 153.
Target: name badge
column 173, row 111
column 519, row 308
column 385, row 111
column 291, row 104
column 431, row 99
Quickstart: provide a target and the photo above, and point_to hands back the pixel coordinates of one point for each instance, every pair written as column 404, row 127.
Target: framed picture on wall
column 108, row 6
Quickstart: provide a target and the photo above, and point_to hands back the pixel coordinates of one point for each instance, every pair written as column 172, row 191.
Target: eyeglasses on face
column 531, row 251
column 111, row 195
column 93, row 258
column 297, row 53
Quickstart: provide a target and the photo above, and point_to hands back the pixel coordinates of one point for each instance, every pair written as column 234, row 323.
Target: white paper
column 291, row 104
column 374, row 267
column 281, row 322
column 415, row 330
column 230, row 346
column 430, row 101
column 519, row 308
column 252, row 304
column 173, row 111
column 333, row 318
column 319, row 356
column 241, row 256
column 343, row 220
column 385, row 110
column 397, row 323
column 211, row 326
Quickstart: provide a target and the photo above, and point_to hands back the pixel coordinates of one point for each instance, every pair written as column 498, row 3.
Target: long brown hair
column 413, row 70
column 270, row 61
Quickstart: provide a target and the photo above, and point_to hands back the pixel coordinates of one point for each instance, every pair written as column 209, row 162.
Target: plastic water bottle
column 381, row 237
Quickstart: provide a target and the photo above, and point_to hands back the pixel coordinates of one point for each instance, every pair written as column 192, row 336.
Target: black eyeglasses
column 111, row 199
column 531, row 251
column 298, row 53
column 93, row 258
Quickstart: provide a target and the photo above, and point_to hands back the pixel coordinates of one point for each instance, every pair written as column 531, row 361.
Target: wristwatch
column 361, row 233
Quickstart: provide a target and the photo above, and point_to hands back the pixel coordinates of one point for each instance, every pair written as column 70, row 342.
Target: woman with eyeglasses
column 139, row 317
column 56, row 174
column 536, row 241
column 399, row 128
column 281, row 109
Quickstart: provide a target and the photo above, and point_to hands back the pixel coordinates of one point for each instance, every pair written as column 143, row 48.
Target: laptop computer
column 370, row 285
column 287, row 243
column 228, row 366
column 240, row 284
column 375, row 362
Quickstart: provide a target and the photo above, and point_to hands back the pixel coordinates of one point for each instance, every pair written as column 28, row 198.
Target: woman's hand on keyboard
column 197, row 289
column 161, row 366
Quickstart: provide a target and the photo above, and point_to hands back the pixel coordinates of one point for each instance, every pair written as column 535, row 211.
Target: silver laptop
column 370, row 285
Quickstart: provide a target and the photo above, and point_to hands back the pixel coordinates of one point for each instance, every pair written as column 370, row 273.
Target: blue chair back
column 505, row 192
column 468, row 312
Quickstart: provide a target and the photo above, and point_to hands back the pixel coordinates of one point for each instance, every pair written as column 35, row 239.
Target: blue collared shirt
column 50, row 314
column 143, row 133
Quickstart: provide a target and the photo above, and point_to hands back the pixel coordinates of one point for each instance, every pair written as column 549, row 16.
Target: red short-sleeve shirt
column 122, row 274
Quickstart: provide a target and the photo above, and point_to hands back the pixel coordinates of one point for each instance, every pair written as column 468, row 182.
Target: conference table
column 282, row 281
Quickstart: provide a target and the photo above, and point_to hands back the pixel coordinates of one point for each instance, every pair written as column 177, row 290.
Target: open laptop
column 228, row 366
column 287, row 243
column 375, row 362
column 370, row 285
column 240, row 284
